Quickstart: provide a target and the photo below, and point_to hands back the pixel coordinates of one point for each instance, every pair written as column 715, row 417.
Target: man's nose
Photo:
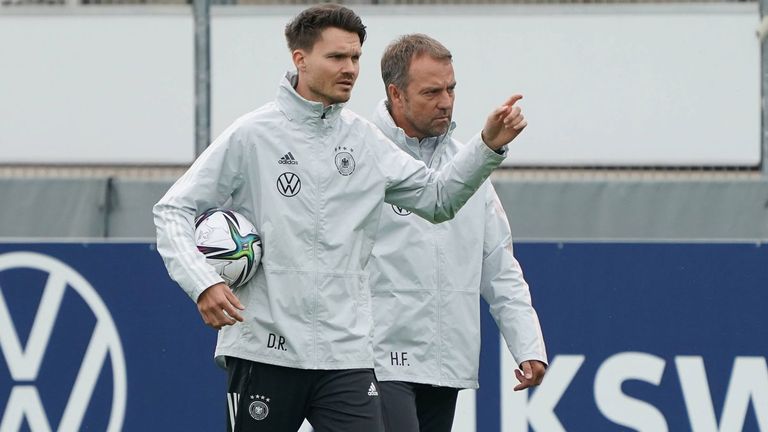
column 445, row 101
column 348, row 66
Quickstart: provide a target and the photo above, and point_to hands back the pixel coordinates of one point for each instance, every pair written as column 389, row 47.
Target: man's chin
column 439, row 131
column 341, row 98
column 441, row 126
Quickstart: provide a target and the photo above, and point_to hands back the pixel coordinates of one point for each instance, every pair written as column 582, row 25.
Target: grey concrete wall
column 637, row 210
column 132, row 207
column 598, row 209
column 60, row 208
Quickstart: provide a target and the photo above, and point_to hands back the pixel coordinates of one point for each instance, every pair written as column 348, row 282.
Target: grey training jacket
column 426, row 281
column 312, row 180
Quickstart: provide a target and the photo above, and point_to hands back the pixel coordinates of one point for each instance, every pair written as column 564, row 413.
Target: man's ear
column 394, row 93
column 299, row 59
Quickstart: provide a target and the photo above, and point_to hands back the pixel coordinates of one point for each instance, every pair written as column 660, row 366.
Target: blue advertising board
column 653, row 337
column 158, row 360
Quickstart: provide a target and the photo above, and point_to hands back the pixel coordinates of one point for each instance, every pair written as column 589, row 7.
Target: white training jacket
column 312, row 180
column 426, row 281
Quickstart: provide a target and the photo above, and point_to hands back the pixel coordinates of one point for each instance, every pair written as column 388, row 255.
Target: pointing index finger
column 512, row 100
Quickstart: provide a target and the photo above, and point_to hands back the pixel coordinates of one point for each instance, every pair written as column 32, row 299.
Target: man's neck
column 307, row 94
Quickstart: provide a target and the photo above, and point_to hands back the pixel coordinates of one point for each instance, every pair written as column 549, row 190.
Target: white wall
column 113, row 87
column 603, row 84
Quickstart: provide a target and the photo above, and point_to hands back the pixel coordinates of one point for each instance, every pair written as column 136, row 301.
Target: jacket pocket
column 405, row 341
column 343, row 318
column 280, row 306
column 459, row 327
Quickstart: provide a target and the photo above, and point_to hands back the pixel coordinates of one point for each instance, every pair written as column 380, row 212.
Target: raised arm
column 437, row 196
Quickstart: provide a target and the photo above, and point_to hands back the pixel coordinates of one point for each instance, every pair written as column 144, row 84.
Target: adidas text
column 372, row 390
column 288, row 159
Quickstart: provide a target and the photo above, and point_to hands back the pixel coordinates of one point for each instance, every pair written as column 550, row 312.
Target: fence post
column 202, row 18
column 763, row 33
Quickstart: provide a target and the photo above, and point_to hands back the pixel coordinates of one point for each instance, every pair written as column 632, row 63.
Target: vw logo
column 24, row 361
column 401, row 211
column 288, row 184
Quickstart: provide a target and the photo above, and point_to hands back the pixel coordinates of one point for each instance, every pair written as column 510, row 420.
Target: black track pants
column 263, row 397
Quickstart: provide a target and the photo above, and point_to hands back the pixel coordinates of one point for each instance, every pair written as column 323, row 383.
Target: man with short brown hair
column 426, row 280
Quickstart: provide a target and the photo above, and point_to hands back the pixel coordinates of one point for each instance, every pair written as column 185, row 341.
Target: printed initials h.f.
column 399, row 358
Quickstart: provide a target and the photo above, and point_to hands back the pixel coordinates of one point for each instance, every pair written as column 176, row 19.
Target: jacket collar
column 295, row 107
column 383, row 119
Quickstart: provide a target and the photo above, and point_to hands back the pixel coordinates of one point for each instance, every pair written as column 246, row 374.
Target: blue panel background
column 593, row 299
column 597, row 300
column 173, row 383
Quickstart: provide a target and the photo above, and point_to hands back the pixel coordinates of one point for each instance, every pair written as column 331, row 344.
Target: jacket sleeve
column 434, row 195
column 505, row 289
column 209, row 183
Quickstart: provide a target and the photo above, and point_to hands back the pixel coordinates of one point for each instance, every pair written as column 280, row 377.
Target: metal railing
column 11, row 3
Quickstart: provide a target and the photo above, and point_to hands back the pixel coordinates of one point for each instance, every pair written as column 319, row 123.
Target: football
column 230, row 244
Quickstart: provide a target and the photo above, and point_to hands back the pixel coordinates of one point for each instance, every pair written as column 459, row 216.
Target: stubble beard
column 328, row 96
column 427, row 129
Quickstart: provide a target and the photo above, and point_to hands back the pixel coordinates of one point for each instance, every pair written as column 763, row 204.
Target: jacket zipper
column 316, row 160
column 439, row 293
column 319, row 152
